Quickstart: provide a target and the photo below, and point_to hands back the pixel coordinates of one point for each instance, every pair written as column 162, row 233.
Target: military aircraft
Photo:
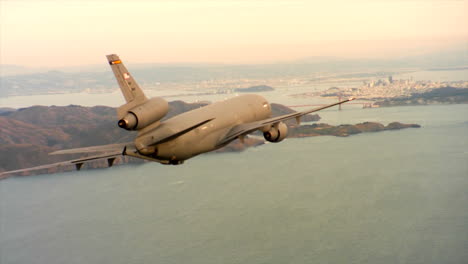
column 186, row 135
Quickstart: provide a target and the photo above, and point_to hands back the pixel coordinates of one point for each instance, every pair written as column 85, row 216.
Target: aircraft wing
column 78, row 163
column 244, row 129
column 109, row 152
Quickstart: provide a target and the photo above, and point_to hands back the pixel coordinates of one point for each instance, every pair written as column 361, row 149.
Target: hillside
column 446, row 95
column 345, row 130
column 255, row 89
column 27, row 135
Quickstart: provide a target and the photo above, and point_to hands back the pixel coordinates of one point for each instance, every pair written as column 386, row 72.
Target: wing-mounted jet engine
column 276, row 133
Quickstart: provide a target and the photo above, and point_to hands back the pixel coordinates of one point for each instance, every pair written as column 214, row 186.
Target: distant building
column 390, row 79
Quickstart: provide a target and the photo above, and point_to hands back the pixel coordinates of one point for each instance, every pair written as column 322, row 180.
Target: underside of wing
column 78, row 163
column 244, row 129
column 104, row 152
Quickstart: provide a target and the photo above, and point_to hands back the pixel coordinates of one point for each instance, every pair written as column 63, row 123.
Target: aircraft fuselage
column 220, row 117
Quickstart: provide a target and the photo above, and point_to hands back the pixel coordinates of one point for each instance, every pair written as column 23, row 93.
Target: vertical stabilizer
column 130, row 89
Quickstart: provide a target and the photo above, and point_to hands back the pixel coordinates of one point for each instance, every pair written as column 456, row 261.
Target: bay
column 387, row 197
column 189, row 94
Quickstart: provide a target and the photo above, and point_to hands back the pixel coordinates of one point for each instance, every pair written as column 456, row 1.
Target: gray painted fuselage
column 223, row 116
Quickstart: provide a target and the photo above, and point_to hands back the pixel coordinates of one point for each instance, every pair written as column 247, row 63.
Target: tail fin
column 130, row 89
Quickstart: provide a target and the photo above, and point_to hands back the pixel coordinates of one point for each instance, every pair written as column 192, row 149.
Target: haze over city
column 73, row 33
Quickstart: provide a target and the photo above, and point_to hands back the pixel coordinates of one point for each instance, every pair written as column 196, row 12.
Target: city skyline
column 73, row 33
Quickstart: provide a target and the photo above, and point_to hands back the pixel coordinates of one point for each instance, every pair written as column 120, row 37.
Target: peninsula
column 447, row 95
column 27, row 135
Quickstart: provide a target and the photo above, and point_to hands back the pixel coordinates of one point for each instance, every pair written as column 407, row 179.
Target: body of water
column 280, row 95
column 387, row 197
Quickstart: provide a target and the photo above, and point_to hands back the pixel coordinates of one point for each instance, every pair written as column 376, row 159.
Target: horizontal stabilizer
column 93, row 149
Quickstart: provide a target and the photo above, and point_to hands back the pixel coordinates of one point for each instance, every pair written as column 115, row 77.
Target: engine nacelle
column 145, row 114
column 276, row 133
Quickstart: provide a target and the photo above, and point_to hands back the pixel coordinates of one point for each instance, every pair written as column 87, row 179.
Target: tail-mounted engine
column 276, row 133
column 144, row 114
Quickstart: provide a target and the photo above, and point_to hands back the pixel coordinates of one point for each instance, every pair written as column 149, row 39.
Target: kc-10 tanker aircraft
column 186, row 135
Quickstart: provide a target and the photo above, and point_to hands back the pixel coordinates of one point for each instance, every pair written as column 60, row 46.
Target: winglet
column 78, row 166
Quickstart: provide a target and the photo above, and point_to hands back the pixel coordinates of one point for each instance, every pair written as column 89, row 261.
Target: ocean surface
column 386, row 197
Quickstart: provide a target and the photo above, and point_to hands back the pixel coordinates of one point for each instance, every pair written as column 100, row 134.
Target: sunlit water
column 114, row 99
column 387, row 197
column 190, row 94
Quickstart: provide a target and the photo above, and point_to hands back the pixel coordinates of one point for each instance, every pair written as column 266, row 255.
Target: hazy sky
column 64, row 33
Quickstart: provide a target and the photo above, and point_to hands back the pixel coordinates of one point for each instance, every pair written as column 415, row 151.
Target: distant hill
column 253, row 89
column 345, row 130
column 27, row 135
column 9, row 70
column 27, row 81
column 6, row 109
column 446, row 95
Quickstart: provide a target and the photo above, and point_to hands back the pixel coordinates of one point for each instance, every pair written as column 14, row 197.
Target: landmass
column 344, row 130
column 255, row 89
column 447, row 95
column 6, row 109
column 27, row 135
